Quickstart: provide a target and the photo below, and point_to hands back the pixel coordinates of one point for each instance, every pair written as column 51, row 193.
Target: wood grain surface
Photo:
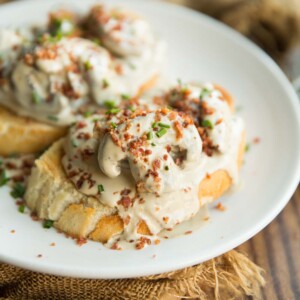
column 277, row 250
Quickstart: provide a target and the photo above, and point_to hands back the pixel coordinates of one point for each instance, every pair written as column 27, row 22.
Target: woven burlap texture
column 230, row 276
column 273, row 24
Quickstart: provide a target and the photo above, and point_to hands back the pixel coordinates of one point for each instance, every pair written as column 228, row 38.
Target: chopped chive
column 125, row 97
column 36, row 98
column 88, row 65
column 48, row 224
column 247, row 147
column 207, row 123
column 3, row 178
column 154, row 125
column 113, row 111
column 152, row 144
column 164, row 125
column 18, row 191
column 161, row 132
column 96, row 120
column 21, row 208
column 205, row 92
column 74, row 143
column 167, row 168
column 105, row 83
column 113, row 125
column 87, row 114
column 131, row 108
column 149, row 135
column 110, row 104
column 53, row 118
column 100, row 188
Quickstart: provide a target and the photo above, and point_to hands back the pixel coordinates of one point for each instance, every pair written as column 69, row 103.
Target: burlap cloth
column 275, row 26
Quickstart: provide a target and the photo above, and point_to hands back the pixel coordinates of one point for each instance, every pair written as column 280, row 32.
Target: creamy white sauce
column 114, row 166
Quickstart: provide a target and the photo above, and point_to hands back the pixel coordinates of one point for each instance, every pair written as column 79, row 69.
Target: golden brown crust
column 24, row 135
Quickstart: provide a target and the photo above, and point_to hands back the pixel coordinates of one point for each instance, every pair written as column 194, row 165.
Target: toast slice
column 52, row 196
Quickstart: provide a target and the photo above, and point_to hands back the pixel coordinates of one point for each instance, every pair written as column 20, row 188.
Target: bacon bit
column 81, row 124
column 81, row 241
column 125, row 192
column 156, row 242
column 52, row 244
column 13, row 231
column 188, row 232
column 156, row 164
column 115, row 246
column 168, row 147
column 206, row 109
column 208, row 176
column 119, row 69
column 34, row 217
column 10, row 165
column 166, row 219
column 220, row 207
column 28, row 58
column 39, row 255
column 127, row 136
column 165, row 157
column 148, row 152
column 172, row 115
column 86, row 153
column 206, row 219
column 125, row 201
column 126, row 220
column 157, row 209
column 169, row 229
column 179, row 130
column 219, row 121
column 142, row 242
column 164, row 110
column 256, row 140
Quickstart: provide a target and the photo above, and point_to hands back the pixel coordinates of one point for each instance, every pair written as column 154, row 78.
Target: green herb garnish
column 154, row 125
column 167, row 168
column 21, row 208
column 18, row 191
column 205, row 92
column 131, row 108
column 110, row 104
column 105, row 83
column 113, row 111
column 87, row 114
column 152, row 144
column 125, row 97
column 36, row 98
column 53, row 118
column 88, row 65
column 100, row 188
column 161, row 132
column 207, row 123
column 247, row 147
column 113, row 125
column 48, row 224
column 163, row 125
column 149, row 135
column 3, row 178
column 97, row 41
column 74, row 143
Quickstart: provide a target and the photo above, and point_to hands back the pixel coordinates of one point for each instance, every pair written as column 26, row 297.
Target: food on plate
column 124, row 176
column 51, row 75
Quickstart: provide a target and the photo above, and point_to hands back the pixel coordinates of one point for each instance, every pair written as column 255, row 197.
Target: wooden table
column 277, row 250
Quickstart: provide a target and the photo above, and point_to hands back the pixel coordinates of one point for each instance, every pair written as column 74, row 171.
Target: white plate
column 199, row 49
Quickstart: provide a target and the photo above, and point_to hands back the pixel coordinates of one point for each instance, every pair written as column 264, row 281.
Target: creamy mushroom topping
column 66, row 68
column 147, row 164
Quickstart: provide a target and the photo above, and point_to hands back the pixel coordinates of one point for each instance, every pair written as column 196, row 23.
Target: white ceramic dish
column 199, row 49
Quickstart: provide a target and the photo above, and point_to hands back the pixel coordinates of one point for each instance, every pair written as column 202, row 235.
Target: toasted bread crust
column 52, row 196
column 24, row 135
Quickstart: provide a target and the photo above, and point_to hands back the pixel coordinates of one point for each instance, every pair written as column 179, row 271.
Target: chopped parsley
column 207, row 123
column 163, row 125
column 149, row 135
column 154, row 125
column 113, row 125
column 110, row 104
column 113, row 111
column 161, row 132
column 205, row 92
column 100, row 188
column 18, row 191
column 3, row 178
column 74, row 143
column 88, row 65
column 125, row 97
column 48, row 224
column 105, row 83
column 87, row 114
column 131, row 108
column 152, row 144
column 21, row 208
column 53, row 118
column 36, row 98
column 167, row 168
